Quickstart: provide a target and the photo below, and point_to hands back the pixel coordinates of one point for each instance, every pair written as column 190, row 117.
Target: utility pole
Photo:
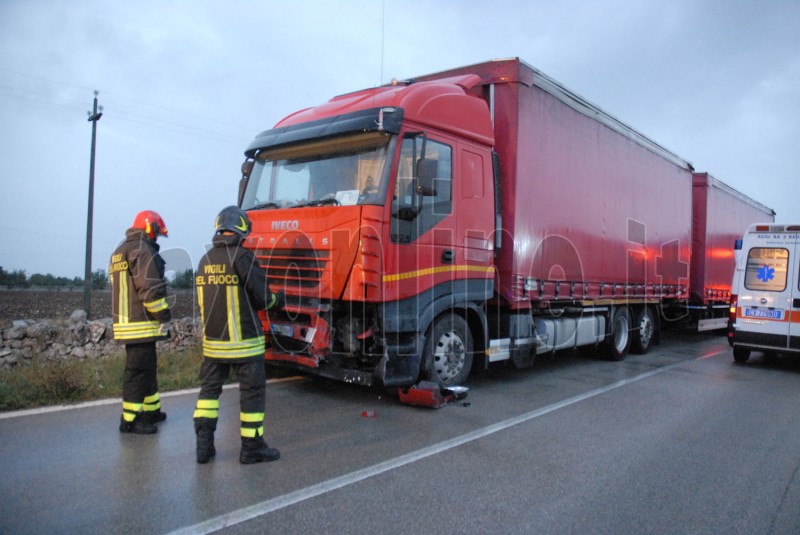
column 87, row 274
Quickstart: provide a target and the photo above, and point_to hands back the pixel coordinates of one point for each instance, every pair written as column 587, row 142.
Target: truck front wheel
column 447, row 355
column 618, row 341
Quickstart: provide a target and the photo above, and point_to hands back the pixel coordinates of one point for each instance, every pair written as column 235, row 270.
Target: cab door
column 423, row 220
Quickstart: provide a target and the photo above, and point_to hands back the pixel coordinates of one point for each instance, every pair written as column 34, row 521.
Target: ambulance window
column 766, row 270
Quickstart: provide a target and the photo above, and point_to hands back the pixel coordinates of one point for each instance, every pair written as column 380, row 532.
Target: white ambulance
column 765, row 300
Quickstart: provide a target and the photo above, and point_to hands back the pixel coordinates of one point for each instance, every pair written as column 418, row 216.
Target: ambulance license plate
column 763, row 313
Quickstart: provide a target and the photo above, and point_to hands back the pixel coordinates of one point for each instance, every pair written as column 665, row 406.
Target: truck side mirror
column 426, row 176
column 247, row 168
column 737, row 245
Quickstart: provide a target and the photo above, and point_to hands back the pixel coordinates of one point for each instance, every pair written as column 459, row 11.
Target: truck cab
column 765, row 305
column 374, row 214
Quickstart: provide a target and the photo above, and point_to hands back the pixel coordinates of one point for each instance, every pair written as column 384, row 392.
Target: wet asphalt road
column 677, row 441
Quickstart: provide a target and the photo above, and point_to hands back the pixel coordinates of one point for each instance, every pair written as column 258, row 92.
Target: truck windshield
column 342, row 171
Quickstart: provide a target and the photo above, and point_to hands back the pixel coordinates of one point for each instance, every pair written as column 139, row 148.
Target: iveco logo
column 286, row 225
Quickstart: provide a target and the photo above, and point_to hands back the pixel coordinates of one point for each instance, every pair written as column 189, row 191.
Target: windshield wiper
column 319, row 202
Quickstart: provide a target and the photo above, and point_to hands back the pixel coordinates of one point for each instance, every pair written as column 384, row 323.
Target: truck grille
column 299, row 268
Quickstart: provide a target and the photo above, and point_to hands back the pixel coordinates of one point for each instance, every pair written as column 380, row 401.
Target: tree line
column 19, row 279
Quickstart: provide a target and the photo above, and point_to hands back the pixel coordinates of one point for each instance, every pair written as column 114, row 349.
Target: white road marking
column 248, row 513
column 113, row 401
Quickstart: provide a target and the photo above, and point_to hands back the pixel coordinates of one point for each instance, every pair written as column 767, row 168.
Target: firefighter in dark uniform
column 231, row 289
column 141, row 316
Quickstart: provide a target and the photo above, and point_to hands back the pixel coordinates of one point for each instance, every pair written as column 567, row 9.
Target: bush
column 15, row 279
column 99, row 279
column 185, row 279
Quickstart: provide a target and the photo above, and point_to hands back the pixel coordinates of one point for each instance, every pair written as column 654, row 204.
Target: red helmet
column 150, row 222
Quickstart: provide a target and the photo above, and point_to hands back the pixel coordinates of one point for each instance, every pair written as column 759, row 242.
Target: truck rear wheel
column 644, row 331
column 447, row 356
column 617, row 343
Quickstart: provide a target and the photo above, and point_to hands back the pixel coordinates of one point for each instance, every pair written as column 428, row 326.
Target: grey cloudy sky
column 186, row 85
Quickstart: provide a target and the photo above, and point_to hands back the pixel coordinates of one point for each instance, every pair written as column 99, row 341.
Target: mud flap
column 430, row 394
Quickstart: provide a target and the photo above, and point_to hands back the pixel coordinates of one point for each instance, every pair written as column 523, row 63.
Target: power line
column 175, row 127
column 173, row 110
column 121, row 113
column 28, row 91
column 44, row 79
column 40, row 101
column 183, row 129
column 117, row 95
column 127, row 116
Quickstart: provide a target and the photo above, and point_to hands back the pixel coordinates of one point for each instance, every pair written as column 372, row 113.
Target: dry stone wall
column 77, row 338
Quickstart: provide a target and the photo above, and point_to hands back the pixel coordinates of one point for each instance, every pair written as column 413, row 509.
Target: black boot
column 139, row 426
column 205, row 444
column 155, row 417
column 255, row 450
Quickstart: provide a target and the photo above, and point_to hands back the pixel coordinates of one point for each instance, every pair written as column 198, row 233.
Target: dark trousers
column 252, row 394
column 140, row 381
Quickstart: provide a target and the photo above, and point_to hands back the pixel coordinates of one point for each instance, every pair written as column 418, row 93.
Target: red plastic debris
column 424, row 394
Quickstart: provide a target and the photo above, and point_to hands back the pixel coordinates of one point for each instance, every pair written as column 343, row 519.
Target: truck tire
column 447, row 354
column 644, row 330
column 741, row 354
column 618, row 341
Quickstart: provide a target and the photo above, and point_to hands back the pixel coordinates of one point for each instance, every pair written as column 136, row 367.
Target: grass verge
column 60, row 382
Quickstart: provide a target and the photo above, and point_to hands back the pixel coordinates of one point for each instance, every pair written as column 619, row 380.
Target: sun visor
column 371, row 120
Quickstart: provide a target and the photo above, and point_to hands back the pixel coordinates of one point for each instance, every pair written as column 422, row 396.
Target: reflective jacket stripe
column 136, row 329
column 138, row 290
column 126, row 330
column 234, row 315
column 223, row 349
column 231, row 289
column 123, row 298
column 201, row 305
column 157, row 306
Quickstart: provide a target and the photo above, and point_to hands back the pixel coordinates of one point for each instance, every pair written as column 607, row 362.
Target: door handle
column 796, row 303
column 448, row 255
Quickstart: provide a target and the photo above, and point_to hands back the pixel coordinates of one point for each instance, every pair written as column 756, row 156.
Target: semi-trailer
column 432, row 226
column 719, row 216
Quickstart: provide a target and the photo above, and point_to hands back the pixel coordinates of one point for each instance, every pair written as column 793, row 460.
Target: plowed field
column 45, row 304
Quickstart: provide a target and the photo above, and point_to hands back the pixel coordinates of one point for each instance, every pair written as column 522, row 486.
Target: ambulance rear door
column 794, row 283
column 770, row 287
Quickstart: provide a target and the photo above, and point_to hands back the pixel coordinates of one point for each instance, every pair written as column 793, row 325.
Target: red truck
column 487, row 213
